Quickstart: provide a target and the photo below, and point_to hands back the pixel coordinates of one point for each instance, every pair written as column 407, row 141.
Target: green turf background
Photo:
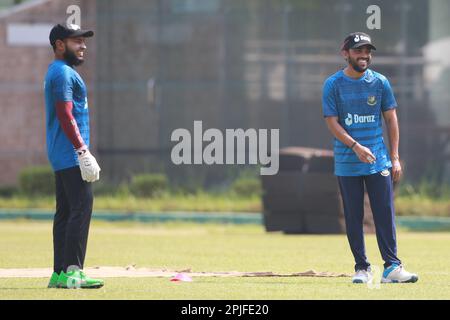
column 221, row 248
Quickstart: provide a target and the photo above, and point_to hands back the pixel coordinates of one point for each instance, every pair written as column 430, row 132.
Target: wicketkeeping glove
column 90, row 170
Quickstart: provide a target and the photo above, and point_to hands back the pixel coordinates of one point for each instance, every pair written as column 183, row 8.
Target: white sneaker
column 397, row 274
column 362, row 276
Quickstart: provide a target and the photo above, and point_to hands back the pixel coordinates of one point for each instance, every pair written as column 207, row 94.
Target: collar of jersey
column 62, row 62
column 363, row 77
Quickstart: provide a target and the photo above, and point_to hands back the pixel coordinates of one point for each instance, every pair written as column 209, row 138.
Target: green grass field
column 210, row 247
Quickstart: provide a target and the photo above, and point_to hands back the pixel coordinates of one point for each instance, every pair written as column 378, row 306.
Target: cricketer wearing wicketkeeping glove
column 67, row 126
column 354, row 101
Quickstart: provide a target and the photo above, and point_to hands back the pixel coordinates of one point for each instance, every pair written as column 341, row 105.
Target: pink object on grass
column 181, row 277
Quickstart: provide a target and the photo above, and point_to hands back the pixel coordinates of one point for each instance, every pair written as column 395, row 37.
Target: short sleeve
column 62, row 86
column 329, row 100
column 388, row 100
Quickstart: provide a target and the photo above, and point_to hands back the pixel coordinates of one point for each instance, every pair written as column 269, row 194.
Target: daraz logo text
column 354, row 118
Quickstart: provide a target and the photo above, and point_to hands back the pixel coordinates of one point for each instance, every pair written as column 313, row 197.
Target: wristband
column 82, row 150
column 353, row 145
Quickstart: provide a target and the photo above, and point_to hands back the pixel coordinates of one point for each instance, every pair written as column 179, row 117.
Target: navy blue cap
column 61, row 32
column 357, row 39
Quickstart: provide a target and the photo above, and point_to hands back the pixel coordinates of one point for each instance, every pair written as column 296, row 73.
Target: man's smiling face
column 359, row 58
column 74, row 50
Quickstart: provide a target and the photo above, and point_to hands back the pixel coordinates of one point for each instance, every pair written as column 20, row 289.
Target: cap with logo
column 61, row 32
column 357, row 39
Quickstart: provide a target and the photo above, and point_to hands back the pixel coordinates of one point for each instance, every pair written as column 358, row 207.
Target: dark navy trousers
column 381, row 196
column 74, row 200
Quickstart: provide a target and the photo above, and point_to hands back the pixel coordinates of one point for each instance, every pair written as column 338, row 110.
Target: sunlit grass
column 208, row 247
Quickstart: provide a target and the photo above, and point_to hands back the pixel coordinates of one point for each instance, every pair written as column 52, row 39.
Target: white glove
column 90, row 170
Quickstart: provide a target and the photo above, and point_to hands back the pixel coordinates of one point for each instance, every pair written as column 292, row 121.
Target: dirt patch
column 133, row 272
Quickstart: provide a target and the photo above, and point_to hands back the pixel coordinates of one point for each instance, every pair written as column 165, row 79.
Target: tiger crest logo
column 371, row 101
column 385, row 173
